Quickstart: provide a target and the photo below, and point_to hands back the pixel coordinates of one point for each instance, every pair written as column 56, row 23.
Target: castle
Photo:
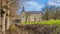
column 31, row 16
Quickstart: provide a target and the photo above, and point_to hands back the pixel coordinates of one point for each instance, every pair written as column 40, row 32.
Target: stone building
column 32, row 16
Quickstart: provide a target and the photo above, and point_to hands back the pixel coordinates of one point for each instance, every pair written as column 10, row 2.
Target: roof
column 35, row 12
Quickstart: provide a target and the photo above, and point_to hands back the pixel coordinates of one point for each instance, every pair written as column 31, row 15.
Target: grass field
column 49, row 22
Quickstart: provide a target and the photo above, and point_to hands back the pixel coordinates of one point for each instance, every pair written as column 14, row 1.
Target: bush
column 12, row 27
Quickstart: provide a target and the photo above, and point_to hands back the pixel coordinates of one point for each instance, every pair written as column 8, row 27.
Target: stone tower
column 22, row 14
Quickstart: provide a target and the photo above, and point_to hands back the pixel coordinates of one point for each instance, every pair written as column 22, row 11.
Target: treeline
column 51, row 13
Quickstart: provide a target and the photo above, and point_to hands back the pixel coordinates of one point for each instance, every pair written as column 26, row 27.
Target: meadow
column 49, row 22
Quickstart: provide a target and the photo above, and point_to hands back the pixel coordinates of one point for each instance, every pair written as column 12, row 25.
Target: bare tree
column 27, row 14
column 46, row 15
column 8, row 9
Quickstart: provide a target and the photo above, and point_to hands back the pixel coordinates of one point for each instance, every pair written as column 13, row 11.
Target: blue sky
column 37, row 5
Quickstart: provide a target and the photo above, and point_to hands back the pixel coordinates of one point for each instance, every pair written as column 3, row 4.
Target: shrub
column 12, row 27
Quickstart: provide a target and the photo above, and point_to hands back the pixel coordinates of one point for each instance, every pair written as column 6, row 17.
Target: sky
column 38, row 5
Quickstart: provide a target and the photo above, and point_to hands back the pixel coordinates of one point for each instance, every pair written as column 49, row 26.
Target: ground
column 46, row 27
column 49, row 22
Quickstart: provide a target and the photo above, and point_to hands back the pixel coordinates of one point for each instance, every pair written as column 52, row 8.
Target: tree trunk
column 26, row 19
column 34, row 19
column 8, row 19
column 0, row 25
column 0, row 19
column 8, row 22
column 3, row 23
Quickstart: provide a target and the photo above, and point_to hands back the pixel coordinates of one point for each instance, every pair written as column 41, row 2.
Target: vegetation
column 27, row 15
column 8, row 10
column 12, row 27
column 49, row 22
column 13, row 30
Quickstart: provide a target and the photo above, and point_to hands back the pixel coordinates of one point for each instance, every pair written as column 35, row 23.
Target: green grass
column 49, row 22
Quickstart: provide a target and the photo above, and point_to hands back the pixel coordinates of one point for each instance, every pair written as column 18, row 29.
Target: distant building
column 16, row 19
column 34, row 16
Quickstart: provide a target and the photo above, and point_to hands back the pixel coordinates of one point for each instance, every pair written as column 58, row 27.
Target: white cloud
column 35, row 4
column 54, row 2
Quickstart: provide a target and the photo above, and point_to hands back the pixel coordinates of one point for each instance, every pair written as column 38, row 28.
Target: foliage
column 12, row 27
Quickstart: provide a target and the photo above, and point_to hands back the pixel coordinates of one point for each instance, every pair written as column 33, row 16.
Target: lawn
column 49, row 22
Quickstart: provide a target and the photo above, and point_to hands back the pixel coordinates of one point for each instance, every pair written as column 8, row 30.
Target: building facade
column 35, row 16
column 31, row 16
